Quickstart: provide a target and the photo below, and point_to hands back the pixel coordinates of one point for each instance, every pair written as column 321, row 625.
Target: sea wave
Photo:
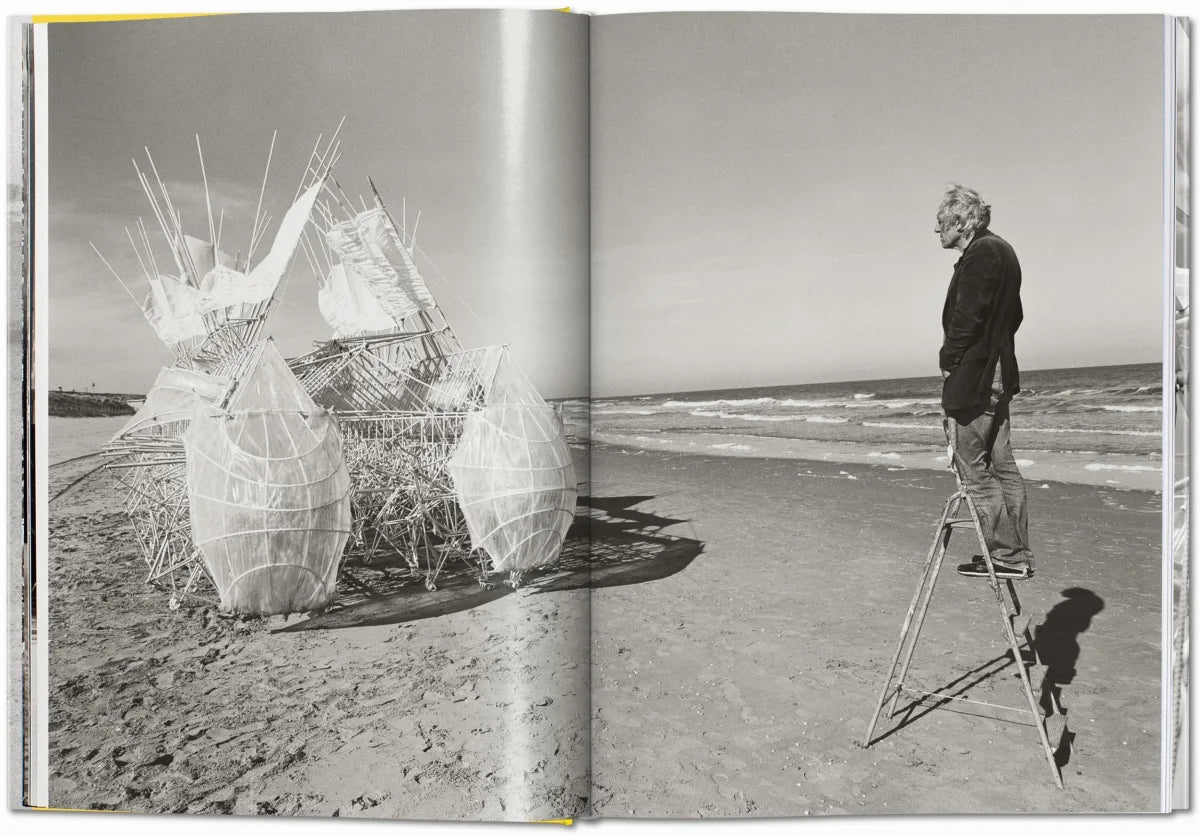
column 612, row 411
column 895, row 425
column 1104, row 466
column 722, row 402
column 898, row 403
column 1092, row 430
column 818, row 419
column 1124, row 408
column 859, row 400
column 743, row 416
column 811, row 403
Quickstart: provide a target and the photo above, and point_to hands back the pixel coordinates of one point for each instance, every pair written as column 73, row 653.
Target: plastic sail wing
column 204, row 255
column 224, row 287
column 515, row 481
column 507, row 383
column 349, row 306
column 174, row 397
column 172, row 309
column 269, row 494
column 371, row 251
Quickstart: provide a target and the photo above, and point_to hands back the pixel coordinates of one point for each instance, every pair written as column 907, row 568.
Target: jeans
column 984, row 459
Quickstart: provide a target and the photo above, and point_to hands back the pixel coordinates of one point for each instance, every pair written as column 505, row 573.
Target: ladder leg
column 932, row 572
column 1007, row 617
column 1022, row 670
column 939, row 541
column 1050, row 702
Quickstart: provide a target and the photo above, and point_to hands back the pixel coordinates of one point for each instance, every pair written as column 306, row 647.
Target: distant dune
column 90, row 404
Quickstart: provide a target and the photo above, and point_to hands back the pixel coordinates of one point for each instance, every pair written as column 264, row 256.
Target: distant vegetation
column 90, row 404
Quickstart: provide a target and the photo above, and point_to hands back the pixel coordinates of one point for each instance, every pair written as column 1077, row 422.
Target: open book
column 518, row 415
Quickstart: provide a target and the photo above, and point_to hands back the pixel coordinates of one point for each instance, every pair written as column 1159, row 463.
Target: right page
column 877, row 366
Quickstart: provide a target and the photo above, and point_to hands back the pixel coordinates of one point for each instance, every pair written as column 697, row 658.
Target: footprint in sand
column 724, row 788
column 733, row 697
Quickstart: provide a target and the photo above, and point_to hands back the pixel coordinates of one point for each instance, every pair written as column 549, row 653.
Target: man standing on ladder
column 980, row 377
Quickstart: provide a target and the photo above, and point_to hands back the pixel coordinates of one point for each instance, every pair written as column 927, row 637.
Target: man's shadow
column 1057, row 643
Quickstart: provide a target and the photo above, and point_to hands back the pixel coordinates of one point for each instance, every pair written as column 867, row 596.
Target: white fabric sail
column 224, row 287
column 269, row 494
column 370, row 249
column 348, row 305
column 204, row 255
column 172, row 309
column 176, row 394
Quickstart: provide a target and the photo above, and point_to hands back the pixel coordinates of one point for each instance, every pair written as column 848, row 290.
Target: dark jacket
column 981, row 315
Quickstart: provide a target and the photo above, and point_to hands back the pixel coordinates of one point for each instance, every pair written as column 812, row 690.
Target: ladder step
column 960, row 523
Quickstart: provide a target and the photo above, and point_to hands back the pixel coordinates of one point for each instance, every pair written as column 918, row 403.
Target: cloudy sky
column 765, row 190
column 479, row 120
column 763, row 187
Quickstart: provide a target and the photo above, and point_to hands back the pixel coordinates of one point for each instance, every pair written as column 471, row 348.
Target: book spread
column 522, row 415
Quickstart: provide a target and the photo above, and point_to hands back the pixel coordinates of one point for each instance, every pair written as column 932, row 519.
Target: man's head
column 960, row 216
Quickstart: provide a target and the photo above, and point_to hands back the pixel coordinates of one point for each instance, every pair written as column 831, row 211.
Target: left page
column 305, row 388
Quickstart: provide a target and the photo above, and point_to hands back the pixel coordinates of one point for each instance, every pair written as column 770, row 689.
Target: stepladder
column 902, row 703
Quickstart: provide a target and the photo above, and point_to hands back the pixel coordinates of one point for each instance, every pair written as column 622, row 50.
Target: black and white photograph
column 511, row 415
column 317, row 355
column 833, row 234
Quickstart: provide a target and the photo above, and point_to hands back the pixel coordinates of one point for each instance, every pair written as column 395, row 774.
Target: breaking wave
column 1103, row 466
column 1125, row 408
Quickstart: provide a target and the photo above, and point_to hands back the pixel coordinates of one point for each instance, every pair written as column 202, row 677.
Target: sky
column 477, row 119
column 763, row 187
column 764, row 191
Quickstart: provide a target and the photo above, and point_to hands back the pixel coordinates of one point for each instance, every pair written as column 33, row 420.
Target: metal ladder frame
column 910, row 631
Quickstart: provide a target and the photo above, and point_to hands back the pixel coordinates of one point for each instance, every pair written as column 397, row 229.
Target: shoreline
column 1108, row 470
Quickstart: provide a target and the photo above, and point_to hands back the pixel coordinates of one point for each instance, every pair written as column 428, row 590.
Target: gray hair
column 966, row 208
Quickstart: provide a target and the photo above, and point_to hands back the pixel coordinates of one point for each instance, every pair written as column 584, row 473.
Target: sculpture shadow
column 609, row 544
column 612, row 544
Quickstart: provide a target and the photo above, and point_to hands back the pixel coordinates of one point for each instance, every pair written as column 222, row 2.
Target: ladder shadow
column 1056, row 640
column 956, row 688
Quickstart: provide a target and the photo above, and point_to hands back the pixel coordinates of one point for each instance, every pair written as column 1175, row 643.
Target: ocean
column 1096, row 425
column 1099, row 425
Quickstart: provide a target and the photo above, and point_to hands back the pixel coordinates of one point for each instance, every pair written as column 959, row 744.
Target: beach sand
column 464, row 703
column 742, row 684
column 743, row 613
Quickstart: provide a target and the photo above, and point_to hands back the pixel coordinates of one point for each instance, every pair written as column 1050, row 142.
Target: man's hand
column 945, row 374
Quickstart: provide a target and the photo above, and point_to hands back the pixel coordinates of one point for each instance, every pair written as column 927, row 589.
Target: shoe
column 978, row 569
